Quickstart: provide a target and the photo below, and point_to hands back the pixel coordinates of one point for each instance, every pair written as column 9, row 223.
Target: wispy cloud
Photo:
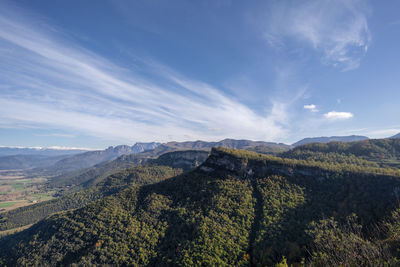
column 338, row 30
column 312, row 108
column 50, row 82
column 57, row 135
column 334, row 115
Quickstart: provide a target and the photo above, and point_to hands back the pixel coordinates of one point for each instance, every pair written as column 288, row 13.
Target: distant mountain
column 141, row 147
column 259, row 146
column 350, row 138
column 396, row 136
column 186, row 160
column 92, row 175
column 151, row 150
column 43, row 151
column 91, row 158
column 23, row 162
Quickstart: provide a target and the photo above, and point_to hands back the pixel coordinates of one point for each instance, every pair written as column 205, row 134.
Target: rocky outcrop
column 249, row 168
column 186, row 160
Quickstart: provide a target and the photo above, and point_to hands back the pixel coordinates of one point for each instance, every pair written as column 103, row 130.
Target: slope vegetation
column 384, row 152
column 140, row 175
column 103, row 180
column 238, row 208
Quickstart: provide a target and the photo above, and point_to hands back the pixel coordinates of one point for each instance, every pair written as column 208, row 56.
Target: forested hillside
column 103, row 180
column 238, row 208
column 384, row 152
column 140, row 175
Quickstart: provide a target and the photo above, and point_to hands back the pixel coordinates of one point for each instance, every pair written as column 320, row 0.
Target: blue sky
column 99, row 73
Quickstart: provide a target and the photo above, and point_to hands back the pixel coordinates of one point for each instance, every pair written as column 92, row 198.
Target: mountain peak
column 396, row 136
column 326, row 139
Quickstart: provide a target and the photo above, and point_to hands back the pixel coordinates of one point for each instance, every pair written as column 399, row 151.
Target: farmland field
column 16, row 190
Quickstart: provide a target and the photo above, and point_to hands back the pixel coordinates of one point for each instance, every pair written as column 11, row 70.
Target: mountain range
column 266, row 147
column 324, row 139
column 70, row 163
column 21, row 162
column 45, row 161
column 91, row 158
column 42, row 151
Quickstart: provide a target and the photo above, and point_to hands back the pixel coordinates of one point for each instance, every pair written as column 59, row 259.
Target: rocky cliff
column 250, row 165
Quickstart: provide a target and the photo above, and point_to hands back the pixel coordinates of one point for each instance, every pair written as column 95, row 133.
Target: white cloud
column 312, row 108
column 52, row 83
column 338, row 30
column 57, row 135
column 334, row 115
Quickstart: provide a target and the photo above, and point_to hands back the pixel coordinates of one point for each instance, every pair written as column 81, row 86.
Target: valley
column 18, row 190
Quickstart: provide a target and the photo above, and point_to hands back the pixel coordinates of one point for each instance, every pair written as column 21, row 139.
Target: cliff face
column 324, row 184
column 252, row 168
column 141, row 147
column 262, row 166
column 185, row 160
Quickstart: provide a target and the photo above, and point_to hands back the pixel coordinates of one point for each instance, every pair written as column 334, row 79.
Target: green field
column 43, row 196
column 18, row 186
column 17, row 190
column 4, row 205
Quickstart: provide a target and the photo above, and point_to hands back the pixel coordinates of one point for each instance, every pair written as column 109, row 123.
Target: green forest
column 330, row 204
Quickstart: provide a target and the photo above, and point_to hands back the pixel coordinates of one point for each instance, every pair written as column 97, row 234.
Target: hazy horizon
column 131, row 144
